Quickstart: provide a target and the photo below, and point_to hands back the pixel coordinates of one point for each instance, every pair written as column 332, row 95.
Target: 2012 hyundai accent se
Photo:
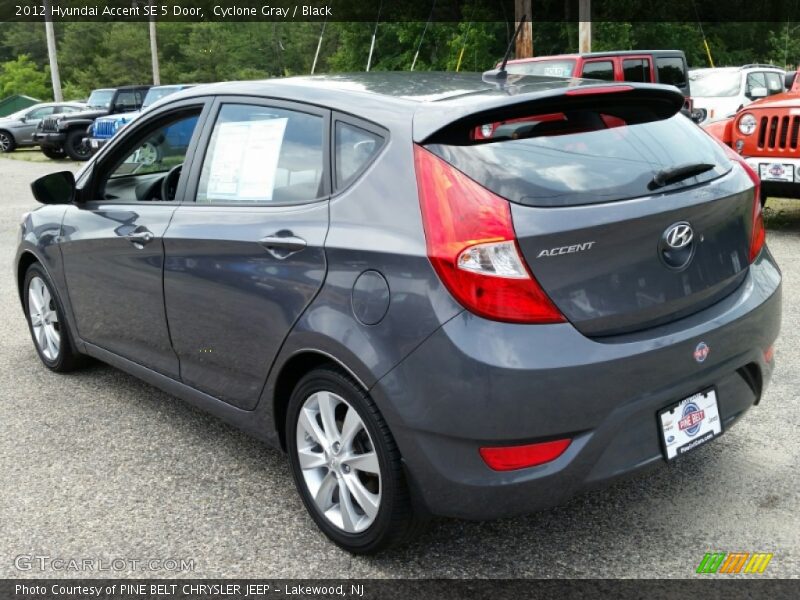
column 439, row 295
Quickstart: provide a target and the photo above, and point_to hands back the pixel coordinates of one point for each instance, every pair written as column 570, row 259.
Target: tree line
column 107, row 54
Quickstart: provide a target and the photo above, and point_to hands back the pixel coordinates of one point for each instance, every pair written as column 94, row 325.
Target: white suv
column 720, row 93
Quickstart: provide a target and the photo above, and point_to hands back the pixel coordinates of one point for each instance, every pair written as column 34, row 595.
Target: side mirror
column 758, row 92
column 55, row 188
column 788, row 79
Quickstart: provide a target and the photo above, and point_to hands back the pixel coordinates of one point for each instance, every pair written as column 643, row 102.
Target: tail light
column 509, row 458
column 473, row 248
column 759, row 232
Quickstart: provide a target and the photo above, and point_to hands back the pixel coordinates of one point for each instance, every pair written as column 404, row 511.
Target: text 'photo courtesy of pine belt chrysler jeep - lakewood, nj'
column 428, row 320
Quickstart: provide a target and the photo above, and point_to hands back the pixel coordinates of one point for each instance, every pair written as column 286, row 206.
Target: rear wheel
column 46, row 323
column 7, row 143
column 74, row 146
column 54, row 153
column 346, row 464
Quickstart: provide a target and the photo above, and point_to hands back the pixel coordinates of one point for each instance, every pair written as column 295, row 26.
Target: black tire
column 67, row 358
column 74, row 146
column 395, row 521
column 7, row 142
column 54, row 153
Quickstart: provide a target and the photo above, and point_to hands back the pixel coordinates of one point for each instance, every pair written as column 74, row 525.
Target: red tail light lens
column 759, row 233
column 472, row 246
column 509, row 458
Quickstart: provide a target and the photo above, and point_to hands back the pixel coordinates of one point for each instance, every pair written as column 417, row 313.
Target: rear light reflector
column 510, row 458
column 769, row 354
column 473, row 248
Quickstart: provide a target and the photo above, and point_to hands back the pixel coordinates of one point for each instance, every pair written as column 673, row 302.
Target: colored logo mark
column 734, row 562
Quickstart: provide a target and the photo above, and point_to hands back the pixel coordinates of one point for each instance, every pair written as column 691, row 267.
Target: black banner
column 776, row 11
column 711, row 588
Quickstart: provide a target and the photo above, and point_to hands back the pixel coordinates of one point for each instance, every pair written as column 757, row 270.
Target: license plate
column 94, row 143
column 690, row 423
column 776, row 171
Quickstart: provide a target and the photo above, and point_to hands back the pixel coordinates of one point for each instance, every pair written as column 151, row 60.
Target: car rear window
column 583, row 156
column 671, row 71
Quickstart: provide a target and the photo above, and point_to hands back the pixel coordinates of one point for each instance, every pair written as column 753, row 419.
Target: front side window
column 263, row 154
column 128, row 100
column 355, row 147
column 39, row 113
column 774, row 83
column 754, row 80
column 601, row 69
column 149, row 167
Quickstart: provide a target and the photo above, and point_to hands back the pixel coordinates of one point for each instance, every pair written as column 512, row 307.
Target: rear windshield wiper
column 674, row 174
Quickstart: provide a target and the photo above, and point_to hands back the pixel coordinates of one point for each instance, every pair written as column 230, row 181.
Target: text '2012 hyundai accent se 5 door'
column 427, row 320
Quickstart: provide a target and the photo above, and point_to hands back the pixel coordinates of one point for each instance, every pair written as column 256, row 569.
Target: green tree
column 22, row 76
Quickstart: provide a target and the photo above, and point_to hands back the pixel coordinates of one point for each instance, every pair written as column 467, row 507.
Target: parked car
column 426, row 323
column 104, row 128
column 719, row 93
column 766, row 134
column 16, row 130
column 59, row 135
column 639, row 66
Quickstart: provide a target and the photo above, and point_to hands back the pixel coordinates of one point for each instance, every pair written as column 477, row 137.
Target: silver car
column 16, row 130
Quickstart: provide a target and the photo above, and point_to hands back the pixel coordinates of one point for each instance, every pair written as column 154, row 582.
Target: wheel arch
column 26, row 259
column 289, row 375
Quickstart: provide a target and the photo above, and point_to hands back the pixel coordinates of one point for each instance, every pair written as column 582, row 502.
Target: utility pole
column 51, row 52
column 584, row 25
column 524, row 48
column 154, row 51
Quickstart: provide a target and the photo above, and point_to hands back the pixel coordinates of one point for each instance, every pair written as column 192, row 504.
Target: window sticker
column 245, row 160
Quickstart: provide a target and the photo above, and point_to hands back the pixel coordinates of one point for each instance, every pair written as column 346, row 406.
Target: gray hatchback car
column 440, row 296
column 16, row 130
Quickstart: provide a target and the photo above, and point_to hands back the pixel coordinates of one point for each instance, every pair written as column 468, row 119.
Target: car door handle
column 140, row 238
column 283, row 244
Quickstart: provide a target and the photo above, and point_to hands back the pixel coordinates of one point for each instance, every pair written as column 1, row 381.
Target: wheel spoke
column 349, row 515
column 310, row 426
column 327, row 411
column 367, row 463
column 43, row 342
column 52, row 338
column 34, row 300
column 324, row 495
column 310, row 459
column 368, row 501
column 351, row 426
column 36, row 320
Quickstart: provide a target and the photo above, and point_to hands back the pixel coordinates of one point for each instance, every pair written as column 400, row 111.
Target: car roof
column 432, row 99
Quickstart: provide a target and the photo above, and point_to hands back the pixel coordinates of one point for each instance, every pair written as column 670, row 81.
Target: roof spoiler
column 447, row 119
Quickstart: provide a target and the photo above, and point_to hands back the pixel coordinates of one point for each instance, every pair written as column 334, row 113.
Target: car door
column 244, row 252
column 24, row 131
column 112, row 242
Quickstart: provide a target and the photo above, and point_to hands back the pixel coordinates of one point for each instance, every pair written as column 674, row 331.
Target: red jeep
column 766, row 134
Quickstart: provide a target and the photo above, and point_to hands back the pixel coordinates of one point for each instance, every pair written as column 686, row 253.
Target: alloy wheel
column 5, row 142
column 338, row 461
column 44, row 318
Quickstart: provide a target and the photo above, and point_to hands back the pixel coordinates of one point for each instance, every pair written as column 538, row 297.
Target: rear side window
column 584, row 156
column 601, row 69
column 671, row 71
column 636, row 69
column 355, row 148
column 263, row 154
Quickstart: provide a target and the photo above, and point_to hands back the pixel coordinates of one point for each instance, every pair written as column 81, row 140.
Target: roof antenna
column 499, row 76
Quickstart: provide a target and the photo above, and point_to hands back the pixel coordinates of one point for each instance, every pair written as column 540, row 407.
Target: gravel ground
column 99, row 465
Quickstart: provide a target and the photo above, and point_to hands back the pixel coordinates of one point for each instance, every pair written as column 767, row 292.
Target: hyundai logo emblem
column 679, row 235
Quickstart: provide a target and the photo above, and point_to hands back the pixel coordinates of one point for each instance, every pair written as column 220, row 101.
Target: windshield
column 158, row 93
column 714, row 84
column 100, row 99
column 548, row 68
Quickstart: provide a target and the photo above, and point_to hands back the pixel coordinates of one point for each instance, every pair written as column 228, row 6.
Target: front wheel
column 7, row 143
column 74, row 146
column 46, row 323
column 346, row 465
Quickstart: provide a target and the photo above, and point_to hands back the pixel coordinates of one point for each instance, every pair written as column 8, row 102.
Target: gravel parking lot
column 99, row 465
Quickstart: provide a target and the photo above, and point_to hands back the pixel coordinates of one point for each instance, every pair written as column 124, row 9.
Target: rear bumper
column 480, row 383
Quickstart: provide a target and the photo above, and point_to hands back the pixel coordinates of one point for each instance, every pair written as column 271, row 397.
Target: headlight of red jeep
column 747, row 124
